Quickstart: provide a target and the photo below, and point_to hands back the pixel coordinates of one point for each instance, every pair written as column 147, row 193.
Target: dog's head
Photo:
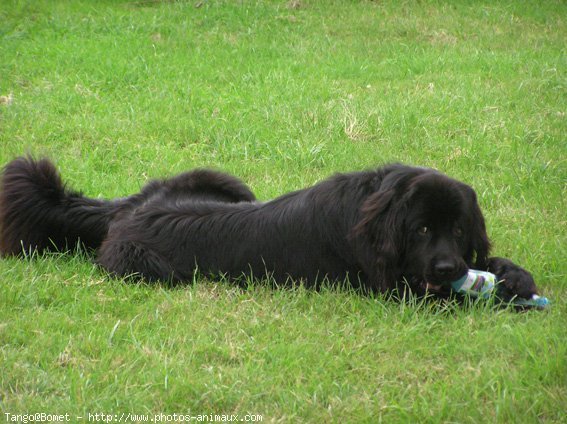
column 424, row 227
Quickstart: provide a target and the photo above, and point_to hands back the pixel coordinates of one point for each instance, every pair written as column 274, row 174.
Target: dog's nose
column 445, row 268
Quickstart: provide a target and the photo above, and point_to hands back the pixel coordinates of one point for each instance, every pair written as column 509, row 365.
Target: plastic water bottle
column 476, row 284
column 483, row 284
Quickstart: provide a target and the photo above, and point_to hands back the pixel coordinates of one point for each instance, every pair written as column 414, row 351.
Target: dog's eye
column 458, row 231
column 422, row 231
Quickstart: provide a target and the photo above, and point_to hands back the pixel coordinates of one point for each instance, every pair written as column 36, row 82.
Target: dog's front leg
column 515, row 280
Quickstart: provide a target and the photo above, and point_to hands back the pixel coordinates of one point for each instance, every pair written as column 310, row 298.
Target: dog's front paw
column 515, row 281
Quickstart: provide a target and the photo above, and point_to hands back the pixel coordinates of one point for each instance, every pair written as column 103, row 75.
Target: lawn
column 284, row 94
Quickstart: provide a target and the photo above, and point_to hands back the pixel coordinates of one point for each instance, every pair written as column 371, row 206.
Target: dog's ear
column 479, row 244
column 379, row 233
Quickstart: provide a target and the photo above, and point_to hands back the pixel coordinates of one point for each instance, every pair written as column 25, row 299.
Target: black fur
column 376, row 228
column 37, row 211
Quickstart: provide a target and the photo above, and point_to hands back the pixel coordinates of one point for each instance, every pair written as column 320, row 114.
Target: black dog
column 376, row 228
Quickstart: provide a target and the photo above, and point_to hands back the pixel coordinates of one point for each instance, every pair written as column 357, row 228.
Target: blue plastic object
column 484, row 284
column 536, row 301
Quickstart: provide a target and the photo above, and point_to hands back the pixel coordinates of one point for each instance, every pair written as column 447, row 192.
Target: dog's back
column 38, row 212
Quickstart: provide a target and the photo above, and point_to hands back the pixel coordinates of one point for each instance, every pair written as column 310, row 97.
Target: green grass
column 283, row 96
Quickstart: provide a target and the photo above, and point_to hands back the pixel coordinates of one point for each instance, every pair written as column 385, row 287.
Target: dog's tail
column 37, row 211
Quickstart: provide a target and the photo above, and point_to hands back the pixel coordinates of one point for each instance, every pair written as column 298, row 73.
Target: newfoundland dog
column 378, row 229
